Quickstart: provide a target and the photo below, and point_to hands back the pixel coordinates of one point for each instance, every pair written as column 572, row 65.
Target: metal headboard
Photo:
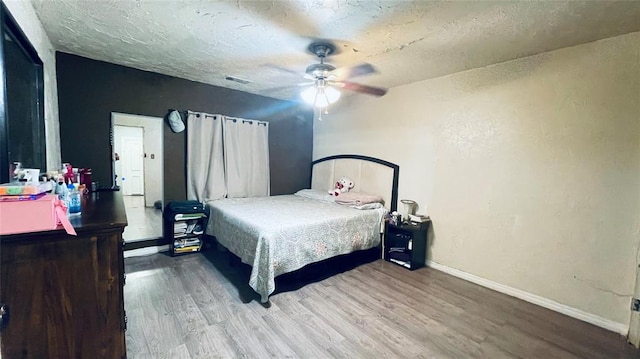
column 394, row 167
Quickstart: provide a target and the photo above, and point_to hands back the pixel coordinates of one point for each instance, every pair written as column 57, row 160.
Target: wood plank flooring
column 144, row 222
column 189, row 307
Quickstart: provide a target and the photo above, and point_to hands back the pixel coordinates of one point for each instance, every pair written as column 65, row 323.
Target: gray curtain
column 246, row 149
column 205, row 160
column 226, row 157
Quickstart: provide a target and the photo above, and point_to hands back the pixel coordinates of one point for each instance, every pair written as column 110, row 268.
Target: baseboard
column 145, row 251
column 620, row 328
column 142, row 243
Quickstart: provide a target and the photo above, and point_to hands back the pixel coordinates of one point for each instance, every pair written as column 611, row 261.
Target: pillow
column 315, row 194
column 375, row 205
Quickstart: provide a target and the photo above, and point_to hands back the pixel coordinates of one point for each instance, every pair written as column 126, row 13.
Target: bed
column 281, row 234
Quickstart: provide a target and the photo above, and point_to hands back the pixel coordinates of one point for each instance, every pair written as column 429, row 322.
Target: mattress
column 280, row 234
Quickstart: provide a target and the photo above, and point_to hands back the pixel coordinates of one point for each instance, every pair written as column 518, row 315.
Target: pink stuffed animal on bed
column 343, row 185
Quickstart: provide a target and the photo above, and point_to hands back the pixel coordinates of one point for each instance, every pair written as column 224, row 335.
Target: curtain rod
column 201, row 113
column 234, row 119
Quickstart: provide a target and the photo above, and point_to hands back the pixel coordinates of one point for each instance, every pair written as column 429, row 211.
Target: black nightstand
column 406, row 244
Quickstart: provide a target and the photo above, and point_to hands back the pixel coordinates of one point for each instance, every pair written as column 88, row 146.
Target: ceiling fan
column 326, row 79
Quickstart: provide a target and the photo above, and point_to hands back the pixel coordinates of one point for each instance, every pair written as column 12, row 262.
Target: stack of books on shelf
column 185, row 236
column 180, row 229
column 187, row 245
column 183, row 229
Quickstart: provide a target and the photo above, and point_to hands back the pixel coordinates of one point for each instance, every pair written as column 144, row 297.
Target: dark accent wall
column 89, row 90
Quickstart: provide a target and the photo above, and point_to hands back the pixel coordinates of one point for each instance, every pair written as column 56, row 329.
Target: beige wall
column 529, row 169
column 28, row 21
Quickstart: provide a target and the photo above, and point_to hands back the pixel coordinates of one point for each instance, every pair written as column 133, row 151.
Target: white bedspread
column 280, row 234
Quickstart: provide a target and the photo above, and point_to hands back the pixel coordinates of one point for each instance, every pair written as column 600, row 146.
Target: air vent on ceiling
column 238, row 80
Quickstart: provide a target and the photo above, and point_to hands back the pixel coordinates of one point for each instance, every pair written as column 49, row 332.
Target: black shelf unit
column 406, row 244
column 184, row 225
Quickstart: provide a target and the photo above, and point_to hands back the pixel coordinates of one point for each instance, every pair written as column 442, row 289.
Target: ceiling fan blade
column 348, row 72
column 369, row 90
column 288, row 87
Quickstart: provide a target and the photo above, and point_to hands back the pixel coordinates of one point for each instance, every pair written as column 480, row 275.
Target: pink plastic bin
column 28, row 216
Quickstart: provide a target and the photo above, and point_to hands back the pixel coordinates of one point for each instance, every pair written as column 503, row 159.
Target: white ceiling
column 406, row 41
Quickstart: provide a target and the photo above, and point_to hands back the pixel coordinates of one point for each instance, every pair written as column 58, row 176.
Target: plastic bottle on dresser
column 61, row 190
column 74, row 200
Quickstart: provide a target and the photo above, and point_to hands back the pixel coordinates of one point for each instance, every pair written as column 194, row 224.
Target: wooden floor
column 189, row 307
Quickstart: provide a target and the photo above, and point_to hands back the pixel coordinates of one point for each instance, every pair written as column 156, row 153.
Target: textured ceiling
column 262, row 41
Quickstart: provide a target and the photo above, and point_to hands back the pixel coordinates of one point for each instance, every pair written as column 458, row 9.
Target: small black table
column 406, row 244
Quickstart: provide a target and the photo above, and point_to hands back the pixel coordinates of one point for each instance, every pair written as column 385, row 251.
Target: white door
column 153, row 148
column 132, row 162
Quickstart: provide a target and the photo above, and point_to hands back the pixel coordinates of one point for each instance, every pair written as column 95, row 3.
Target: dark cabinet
column 406, row 244
column 64, row 293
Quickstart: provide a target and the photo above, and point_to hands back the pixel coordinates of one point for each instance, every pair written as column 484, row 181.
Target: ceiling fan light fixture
column 320, row 96
column 332, row 94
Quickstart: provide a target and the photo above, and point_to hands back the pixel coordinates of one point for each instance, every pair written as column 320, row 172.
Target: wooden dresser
column 65, row 293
